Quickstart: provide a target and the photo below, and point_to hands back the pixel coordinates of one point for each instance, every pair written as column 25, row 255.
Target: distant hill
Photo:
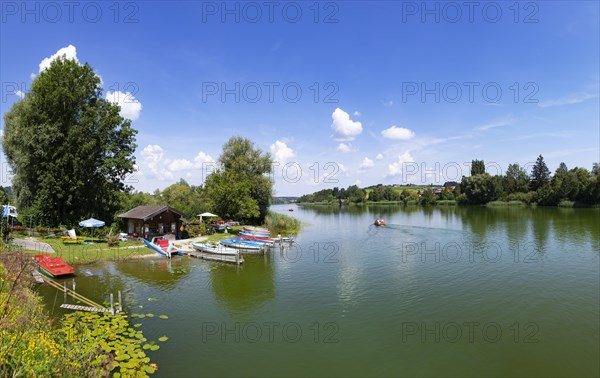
column 283, row 200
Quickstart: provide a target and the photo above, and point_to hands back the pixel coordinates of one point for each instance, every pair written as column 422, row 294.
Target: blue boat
column 163, row 247
column 242, row 244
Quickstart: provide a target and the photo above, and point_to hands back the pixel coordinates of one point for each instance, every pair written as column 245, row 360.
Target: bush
column 282, row 223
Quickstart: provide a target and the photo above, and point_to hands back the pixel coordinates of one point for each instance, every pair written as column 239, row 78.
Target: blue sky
column 340, row 93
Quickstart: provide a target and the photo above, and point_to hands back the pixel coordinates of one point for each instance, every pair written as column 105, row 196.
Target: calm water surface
column 457, row 291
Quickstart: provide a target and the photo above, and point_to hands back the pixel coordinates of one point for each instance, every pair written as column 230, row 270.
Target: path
column 33, row 245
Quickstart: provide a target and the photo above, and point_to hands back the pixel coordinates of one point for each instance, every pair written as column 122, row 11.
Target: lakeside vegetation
column 577, row 187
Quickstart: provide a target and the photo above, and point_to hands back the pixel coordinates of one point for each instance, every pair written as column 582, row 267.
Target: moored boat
column 53, row 266
column 242, row 244
column 215, row 248
column 257, row 230
column 163, row 247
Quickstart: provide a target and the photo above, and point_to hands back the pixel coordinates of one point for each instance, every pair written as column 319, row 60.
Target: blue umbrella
column 92, row 223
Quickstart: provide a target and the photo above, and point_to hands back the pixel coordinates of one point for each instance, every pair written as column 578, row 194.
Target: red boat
column 379, row 222
column 53, row 266
column 257, row 238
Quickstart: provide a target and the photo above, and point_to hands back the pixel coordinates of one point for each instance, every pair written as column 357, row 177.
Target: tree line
column 567, row 187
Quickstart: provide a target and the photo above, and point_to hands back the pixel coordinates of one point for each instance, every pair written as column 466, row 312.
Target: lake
column 442, row 291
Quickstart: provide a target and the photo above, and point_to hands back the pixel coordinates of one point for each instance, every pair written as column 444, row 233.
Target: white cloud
column 344, row 148
column 202, row 159
column 130, row 106
column 153, row 155
column 357, row 113
column 281, row 151
column 388, row 103
column 568, row 100
column 70, row 52
column 494, row 124
column 398, row 133
column 180, row 165
column 20, row 94
column 345, row 129
column 367, row 163
column 396, row 168
column 379, row 157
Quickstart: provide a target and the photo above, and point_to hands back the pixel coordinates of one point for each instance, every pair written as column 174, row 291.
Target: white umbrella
column 92, row 223
column 207, row 215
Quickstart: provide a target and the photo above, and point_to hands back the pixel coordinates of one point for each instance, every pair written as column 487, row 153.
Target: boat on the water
column 238, row 243
column 163, row 247
column 379, row 222
column 257, row 230
column 53, row 266
column 249, row 236
column 215, row 248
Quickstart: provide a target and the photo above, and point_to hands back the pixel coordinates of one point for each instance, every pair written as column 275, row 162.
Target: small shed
column 150, row 221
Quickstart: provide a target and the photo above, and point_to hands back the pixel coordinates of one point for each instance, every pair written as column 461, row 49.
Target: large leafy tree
column 69, row 148
column 481, row 188
column 241, row 187
column 516, row 179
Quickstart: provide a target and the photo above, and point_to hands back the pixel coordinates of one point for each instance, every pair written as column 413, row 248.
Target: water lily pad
column 149, row 315
column 154, row 348
column 137, row 325
column 147, row 346
column 164, row 317
column 152, row 299
column 162, row 339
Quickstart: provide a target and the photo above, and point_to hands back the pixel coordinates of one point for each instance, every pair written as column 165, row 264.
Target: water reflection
column 245, row 288
column 155, row 271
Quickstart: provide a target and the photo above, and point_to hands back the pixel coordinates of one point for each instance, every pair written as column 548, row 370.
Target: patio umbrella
column 207, row 215
column 92, row 223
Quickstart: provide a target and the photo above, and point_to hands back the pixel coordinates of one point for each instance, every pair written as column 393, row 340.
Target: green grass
column 505, row 203
column 446, row 202
column 88, row 253
column 281, row 223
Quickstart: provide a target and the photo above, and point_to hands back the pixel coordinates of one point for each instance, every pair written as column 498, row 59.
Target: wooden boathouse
column 150, row 221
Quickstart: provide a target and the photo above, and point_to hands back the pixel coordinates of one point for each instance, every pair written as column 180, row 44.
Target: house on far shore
column 150, row 221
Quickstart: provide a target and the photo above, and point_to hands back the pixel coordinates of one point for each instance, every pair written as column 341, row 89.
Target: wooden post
column 237, row 258
column 120, row 302
column 74, row 286
column 112, row 304
column 65, row 286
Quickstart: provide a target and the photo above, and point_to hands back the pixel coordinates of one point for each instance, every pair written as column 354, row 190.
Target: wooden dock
column 235, row 259
column 91, row 305
column 84, row 308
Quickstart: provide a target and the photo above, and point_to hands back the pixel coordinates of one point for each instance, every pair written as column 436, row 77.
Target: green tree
column 477, row 167
column 185, row 198
column 69, row 148
column 516, row 179
column 355, row 194
column 428, row 197
column 241, row 187
column 480, row 189
column 540, row 174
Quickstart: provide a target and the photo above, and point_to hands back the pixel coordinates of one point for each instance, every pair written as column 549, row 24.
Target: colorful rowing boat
column 163, row 247
column 53, row 266
column 217, row 249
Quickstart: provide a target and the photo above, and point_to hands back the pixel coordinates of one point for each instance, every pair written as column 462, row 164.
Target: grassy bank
column 88, row 253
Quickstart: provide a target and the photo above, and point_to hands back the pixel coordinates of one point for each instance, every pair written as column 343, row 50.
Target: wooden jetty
column 91, row 305
column 235, row 259
column 84, row 308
